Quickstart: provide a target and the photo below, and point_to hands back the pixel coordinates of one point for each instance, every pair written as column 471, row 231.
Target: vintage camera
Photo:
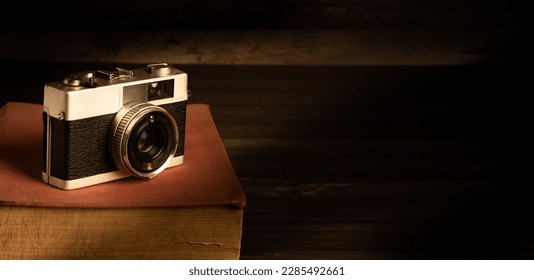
column 102, row 125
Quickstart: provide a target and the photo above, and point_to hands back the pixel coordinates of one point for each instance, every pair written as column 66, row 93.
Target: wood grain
column 120, row 233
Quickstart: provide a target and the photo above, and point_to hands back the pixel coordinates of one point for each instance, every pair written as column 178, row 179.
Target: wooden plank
column 381, row 168
column 120, row 233
column 454, row 219
column 401, row 189
column 369, row 148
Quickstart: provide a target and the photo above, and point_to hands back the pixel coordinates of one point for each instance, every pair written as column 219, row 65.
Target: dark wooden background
column 376, row 161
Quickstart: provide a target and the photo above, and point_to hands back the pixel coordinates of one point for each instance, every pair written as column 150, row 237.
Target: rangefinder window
column 159, row 90
column 148, row 91
column 134, row 93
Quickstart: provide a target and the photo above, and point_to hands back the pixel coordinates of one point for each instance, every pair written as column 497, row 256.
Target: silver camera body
column 101, row 126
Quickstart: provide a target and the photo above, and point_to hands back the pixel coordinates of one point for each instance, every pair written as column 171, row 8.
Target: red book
column 195, row 208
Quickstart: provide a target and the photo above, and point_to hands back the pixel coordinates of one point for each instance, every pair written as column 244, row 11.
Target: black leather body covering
column 79, row 147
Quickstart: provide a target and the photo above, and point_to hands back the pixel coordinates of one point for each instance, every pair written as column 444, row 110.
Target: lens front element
column 143, row 139
column 150, row 140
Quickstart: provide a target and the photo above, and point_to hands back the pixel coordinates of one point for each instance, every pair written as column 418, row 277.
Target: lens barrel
column 142, row 139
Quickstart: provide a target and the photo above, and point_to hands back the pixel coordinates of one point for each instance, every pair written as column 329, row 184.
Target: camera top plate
column 87, row 78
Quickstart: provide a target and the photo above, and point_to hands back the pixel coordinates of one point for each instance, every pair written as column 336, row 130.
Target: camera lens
column 143, row 138
column 150, row 142
column 151, row 139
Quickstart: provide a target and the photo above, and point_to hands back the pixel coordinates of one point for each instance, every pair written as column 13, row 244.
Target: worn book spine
column 207, row 232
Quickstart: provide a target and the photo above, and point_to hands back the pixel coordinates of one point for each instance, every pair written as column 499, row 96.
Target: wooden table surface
column 365, row 162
